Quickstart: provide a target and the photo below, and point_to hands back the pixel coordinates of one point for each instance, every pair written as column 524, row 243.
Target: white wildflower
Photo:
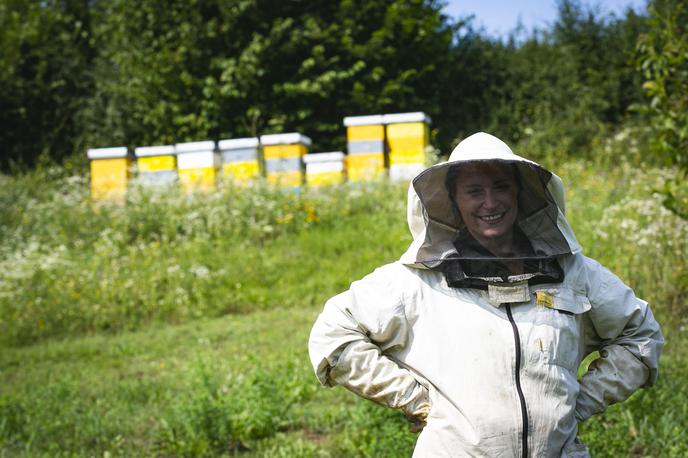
column 200, row 271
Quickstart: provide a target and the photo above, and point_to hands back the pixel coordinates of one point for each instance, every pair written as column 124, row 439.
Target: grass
column 242, row 385
column 173, row 259
column 177, row 326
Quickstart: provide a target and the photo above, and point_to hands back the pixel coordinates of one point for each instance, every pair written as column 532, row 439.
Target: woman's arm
column 349, row 339
column 627, row 337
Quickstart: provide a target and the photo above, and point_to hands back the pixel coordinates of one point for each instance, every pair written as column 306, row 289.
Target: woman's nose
column 489, row 201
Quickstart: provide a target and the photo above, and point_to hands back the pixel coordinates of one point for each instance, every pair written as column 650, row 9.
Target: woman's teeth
column 491, row 218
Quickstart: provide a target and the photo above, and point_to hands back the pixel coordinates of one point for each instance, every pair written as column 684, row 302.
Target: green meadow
column 177, row 325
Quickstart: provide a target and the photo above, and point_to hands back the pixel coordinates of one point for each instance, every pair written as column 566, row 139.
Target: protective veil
column 483, row 353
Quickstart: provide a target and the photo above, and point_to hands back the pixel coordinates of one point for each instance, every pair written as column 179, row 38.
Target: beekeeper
column 477, row 332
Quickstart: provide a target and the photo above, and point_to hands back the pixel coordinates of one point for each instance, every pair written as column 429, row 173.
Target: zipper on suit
column 521, row 397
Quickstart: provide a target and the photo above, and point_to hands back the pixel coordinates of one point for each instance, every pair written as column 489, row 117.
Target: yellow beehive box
column 241, row 172
column 110, row 173
column 197, row 164
column 283, row 158
column 284, row 151
column 370, row 127
column 356, row 133
column 365, row 147
column 362, row 167
column 415, row 130
column 240, row 158
column 157, row 165
column 286, row 179
column 408, row 136
column 407, row 156
column 325, row 169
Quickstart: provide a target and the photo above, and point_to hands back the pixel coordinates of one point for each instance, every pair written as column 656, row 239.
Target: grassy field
column 177, row 326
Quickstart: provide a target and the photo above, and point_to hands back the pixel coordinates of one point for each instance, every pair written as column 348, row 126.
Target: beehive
column 325, row 169
column 157, row 165
column 110, row 173
column 283, row 156
column 240, row 158
column 197, row 164
column 407, row 139
column 365, row 137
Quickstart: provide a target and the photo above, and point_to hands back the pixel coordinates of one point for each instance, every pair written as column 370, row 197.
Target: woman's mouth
column 493, row 218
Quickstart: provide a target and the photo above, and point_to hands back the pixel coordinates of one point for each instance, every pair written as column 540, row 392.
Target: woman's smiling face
column 487, row 196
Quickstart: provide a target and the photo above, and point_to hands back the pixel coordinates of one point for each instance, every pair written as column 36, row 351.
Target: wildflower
column 311, row 215
column 173, row 269
column 200, row 271
column 286, row 219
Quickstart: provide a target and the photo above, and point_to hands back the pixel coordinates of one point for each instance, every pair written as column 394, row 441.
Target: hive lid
column 416, row 116
column 285, row 139
column 159, row 150
column 197, row 160
column 237, row 143
column 107, row 153
column 323, row 157
column 363, row 120
column 189, row 147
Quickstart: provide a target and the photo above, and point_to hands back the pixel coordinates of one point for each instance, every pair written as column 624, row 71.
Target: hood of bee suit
column 436, row 224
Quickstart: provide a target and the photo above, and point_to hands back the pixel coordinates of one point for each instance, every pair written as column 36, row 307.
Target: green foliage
column 230, row 413
column 70, row 267
column 13, row 423
column 376, row 431
column 628, row 230
column 152, row 60
column 46, row 52
column 168, row 72
column 56, row 418
column 77, row 74
column 566, row 88
column 663, row 60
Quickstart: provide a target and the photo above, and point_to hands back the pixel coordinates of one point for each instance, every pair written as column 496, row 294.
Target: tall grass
column 70, row 267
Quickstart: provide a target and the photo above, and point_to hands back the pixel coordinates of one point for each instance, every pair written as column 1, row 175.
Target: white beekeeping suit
column 484, row 356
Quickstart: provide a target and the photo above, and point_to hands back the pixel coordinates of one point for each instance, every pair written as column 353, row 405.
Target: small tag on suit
column 510, row 293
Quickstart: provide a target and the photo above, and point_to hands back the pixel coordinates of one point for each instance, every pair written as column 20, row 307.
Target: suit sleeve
column 348, row 342
column 628, row 339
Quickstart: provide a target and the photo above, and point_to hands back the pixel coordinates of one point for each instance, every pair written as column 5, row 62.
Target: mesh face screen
column 490, row 219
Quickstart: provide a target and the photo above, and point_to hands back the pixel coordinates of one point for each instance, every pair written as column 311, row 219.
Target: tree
column 184, row 70
column 46, row 52
column 663, row 60
column 567, row 86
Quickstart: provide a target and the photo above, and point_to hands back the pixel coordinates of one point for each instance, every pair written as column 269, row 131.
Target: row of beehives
column 393, row 144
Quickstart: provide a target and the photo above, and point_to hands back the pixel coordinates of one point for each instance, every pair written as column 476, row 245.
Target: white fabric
column 401, row 331
column 405, row 339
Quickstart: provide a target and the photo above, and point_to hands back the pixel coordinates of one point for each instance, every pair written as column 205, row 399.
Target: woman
column 477, row 332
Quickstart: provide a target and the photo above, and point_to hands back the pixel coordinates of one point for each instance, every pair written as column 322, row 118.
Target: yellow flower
column 311, row 215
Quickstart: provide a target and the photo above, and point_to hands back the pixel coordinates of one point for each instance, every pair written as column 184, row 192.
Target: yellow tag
column 544, row 298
